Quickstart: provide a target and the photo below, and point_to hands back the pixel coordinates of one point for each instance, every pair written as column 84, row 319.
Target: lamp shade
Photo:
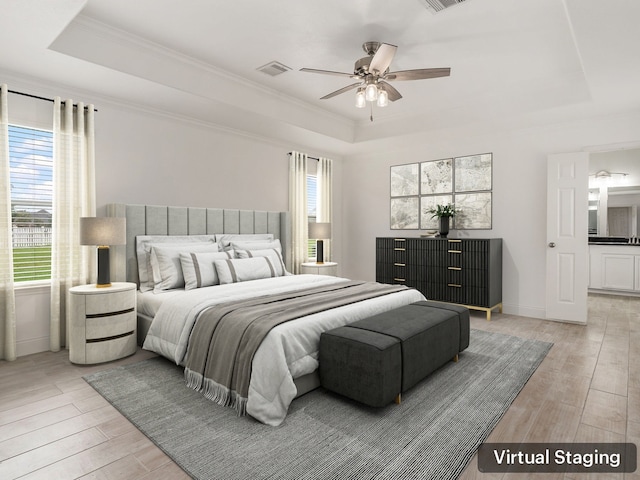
column 103, row 231
column 319, row 230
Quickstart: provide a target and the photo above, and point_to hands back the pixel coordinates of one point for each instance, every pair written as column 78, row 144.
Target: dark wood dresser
column 463, row 271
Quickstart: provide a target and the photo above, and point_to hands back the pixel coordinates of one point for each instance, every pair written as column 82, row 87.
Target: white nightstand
column 326, row 268
column 103, row 323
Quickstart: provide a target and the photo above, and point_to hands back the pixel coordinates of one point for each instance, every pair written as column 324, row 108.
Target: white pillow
column 272, row 253
column 143, row 252
column 165, row 263
column 243, row 269
column 257, row 245
column 198, row 269
column 224, row 240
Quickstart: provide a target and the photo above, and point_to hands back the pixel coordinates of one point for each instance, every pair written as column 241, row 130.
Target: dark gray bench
column 376, row 359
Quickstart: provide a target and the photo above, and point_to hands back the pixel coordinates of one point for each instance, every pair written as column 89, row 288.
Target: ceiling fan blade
column 391, row 92
column 329, row 72
column 342, row 90
column 418, row 74
column 382, row 59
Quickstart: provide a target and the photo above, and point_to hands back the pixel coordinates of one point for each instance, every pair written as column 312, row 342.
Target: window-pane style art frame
column 436, row 176
column 466, row 182
column 475, row 211
column 473, row 173
column 404, row 180
column 427, row 220
column 405, row 200
column 404, row 213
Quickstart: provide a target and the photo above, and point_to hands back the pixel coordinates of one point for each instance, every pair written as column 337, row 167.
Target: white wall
column 519, row 195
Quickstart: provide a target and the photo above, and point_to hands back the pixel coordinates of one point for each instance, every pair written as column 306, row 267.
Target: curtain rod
column 41, row 98
column 311, row 158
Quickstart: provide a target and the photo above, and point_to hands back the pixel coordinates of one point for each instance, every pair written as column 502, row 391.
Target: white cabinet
column 618, row 271
column 614, row 267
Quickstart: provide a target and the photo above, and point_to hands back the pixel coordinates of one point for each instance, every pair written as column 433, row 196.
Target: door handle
column 552, row 245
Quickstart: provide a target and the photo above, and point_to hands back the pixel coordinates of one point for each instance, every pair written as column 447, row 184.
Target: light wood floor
column 54, row 426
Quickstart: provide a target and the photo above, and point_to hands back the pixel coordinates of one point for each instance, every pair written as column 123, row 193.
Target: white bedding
column 289, row 351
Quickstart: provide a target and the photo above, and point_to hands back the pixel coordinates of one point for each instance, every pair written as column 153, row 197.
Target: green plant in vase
column 444, row 213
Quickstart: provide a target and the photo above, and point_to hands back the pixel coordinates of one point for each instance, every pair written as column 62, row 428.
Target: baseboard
column 31, row 346
column 524, row 311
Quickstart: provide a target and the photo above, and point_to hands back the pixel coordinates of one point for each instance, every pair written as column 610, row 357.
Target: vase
column 444, row 226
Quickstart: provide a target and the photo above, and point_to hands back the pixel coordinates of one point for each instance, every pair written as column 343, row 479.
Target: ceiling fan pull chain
column 371, row 116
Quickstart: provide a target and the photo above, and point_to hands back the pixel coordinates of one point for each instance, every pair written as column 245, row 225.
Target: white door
column 567, row 242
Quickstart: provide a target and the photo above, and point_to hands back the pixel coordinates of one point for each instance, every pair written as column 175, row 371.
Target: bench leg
column 398, row 399
column 455, row 358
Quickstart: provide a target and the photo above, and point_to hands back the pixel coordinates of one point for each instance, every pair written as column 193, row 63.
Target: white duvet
column 289, row 351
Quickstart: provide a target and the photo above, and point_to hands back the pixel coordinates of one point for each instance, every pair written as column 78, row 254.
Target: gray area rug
column 432, row 434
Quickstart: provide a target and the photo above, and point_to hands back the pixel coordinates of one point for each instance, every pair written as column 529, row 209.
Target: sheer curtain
column 73, row 197
column 298, row 209
column 325, row 212
column 7, row 296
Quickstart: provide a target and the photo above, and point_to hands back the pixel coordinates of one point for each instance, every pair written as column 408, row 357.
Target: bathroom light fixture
column 606, row 174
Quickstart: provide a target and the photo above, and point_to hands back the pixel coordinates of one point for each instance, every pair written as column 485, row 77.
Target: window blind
column 31, row 178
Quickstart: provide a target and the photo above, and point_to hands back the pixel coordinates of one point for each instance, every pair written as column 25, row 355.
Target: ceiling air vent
column 273, row 68
column 438, row 5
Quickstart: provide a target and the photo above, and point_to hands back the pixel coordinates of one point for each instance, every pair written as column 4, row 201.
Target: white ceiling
column 512, row 62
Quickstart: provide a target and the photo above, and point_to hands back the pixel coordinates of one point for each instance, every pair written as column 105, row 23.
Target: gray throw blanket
column 226, row 336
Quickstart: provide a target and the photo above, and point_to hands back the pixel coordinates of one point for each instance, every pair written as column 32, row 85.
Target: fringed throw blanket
column 226, row 337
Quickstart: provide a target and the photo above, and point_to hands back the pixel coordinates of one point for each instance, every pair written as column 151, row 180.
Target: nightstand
column 326, row 268
column 103, row 323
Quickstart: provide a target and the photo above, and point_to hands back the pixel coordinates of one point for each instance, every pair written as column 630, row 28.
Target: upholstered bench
column 375, row 359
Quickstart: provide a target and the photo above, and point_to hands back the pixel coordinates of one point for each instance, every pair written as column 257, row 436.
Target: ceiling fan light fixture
column 371, row 92
column 383, row 98
column 360, row 100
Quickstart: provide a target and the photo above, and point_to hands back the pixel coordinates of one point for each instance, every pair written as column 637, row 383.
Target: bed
column 284, row 365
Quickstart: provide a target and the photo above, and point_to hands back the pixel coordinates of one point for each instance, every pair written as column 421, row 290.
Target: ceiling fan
column 373, row 75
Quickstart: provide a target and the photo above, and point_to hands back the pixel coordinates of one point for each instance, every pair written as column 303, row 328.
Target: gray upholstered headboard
column 161, row 220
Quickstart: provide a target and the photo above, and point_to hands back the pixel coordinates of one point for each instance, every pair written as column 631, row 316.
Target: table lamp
column 319, row 231
column 103, row 231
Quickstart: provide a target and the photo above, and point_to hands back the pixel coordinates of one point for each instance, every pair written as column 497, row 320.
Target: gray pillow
column 244, row 269
column 272, row 253
column 224, row 240
column 165, row 263
column 198, row 268
column 143, row 252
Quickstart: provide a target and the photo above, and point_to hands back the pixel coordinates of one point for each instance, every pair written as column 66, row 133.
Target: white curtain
column 298, row 209
column 73, row 197
column 7, row 296
column 325, row 196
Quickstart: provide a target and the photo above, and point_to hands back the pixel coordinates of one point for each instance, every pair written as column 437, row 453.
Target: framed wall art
column 404, row 180
column 404, row 213
column 466, row 182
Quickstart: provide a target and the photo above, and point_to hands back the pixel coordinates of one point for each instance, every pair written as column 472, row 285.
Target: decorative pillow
column 224, row 240
column 198, row 269
column 165, row 262
column 272, row 253
column 143, row 252
column 257, row 245
column 235, row 270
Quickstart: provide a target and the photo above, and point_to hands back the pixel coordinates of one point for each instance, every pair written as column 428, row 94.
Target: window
column 312, row 188
column 31, row 177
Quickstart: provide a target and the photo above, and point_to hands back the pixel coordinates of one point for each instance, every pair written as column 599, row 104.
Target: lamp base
column 104, row 276
column 319, row 251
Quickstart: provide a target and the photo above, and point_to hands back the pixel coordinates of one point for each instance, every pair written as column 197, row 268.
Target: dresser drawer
column 100, row 304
